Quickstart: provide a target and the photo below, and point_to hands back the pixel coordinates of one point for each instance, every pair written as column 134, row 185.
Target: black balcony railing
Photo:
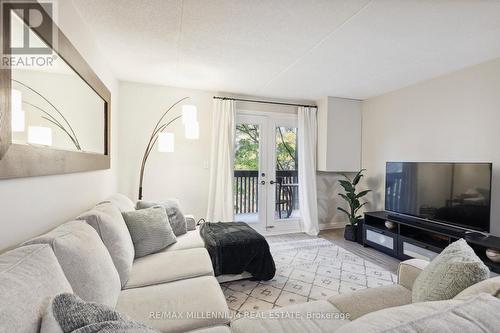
column 246, row 194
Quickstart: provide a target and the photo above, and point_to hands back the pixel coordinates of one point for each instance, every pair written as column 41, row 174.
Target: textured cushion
column 107, row 220
column 85, row 261
column 170, row 266
column 489, row 286
column 149, row 229
column 175, row 216
column 69, row 313
column 317, row 316
column 29, row 277
column 476, row 315
column 200, row 302
column 369, row 300
column 190, row 222
column 121, row 201
column 190, row 240
column 456, row 268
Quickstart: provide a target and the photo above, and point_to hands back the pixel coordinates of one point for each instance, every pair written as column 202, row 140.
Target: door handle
column 272, row 182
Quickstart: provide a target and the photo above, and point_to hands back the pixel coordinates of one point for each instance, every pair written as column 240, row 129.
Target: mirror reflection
column 52, row 106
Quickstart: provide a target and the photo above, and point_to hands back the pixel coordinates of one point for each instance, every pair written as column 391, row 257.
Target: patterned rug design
column 307, row 269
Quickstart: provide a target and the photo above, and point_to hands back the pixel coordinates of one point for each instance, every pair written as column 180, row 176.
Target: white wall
column 451, row 118
column 31, row 206
column 182, row 174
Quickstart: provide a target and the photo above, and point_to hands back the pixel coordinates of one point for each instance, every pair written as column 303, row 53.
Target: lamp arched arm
column 152, row 141
column 53, row 106
column 160, row 130
column 155, row 130
column 54, row 121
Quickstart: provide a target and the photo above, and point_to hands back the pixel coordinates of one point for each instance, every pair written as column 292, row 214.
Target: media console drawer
column 380, row 239
column 411, row 249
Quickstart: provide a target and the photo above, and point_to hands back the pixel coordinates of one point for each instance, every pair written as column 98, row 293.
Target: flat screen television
column 452, row 193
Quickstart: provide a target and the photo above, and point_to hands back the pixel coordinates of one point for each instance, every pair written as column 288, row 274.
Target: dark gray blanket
column 235, row 247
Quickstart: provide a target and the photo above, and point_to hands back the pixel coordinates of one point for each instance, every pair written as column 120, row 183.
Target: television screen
column 453, row 193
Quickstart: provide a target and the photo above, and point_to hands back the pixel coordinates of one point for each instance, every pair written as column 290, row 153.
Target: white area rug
column 307, row 269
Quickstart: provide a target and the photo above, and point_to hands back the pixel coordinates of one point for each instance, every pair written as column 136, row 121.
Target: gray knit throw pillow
column 175, row 215
column 149, row 229
column 456, row 268
column 67, row 313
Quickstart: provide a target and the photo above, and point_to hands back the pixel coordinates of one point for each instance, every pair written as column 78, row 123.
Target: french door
column 266, row 186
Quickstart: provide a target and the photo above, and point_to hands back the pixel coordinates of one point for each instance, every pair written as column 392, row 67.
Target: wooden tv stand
column 416, row 238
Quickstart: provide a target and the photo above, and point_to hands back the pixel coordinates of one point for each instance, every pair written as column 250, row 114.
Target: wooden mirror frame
column 19, row 160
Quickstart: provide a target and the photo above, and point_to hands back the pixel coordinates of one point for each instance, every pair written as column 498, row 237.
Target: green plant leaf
column 344, row 197
column 346, row 185
column 363, row 193
column 358, row 177
column 345, row 211
column 351, row 196
column 359, row 207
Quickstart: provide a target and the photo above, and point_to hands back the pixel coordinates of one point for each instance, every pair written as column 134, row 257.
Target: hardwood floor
column 379, row 258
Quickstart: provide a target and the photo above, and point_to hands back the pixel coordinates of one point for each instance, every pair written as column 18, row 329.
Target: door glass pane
column 246, row 173
column 287, row 182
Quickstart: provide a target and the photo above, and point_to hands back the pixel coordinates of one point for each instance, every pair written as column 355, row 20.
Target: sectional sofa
column 175, row 291
column 172, row 291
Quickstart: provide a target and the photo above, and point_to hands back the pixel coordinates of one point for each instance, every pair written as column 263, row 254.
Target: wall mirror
column 55, row 110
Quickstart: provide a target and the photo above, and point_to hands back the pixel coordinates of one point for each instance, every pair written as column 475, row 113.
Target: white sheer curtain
column 220, row 196
column 307, row 137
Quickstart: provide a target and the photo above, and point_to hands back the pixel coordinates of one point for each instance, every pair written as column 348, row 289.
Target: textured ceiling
column 292, row 48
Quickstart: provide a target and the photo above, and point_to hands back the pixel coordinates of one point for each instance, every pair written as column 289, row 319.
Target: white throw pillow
column 456, row 268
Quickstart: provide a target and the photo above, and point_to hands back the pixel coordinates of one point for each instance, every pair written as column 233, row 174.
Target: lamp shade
column 40, row 135
column 16, row 101
column 18, row 120
column 192, row 130
column 189, row 114
column 166, row 142
column 17, row 115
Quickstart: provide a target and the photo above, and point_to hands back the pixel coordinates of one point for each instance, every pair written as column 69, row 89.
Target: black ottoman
column 234, row 247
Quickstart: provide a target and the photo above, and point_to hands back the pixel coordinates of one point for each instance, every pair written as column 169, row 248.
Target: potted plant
column 353, row 200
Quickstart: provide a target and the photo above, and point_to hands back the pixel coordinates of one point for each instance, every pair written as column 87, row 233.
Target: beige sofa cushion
column 190, row 240
column 476, row 315
column 311, row 317
column 456, row 268
column 85, row 261
column 121, row 201
column 29, row 277
column 107, row 220
column 169, row 266
column 177, row 306
column 489, row 286
column 369, row 300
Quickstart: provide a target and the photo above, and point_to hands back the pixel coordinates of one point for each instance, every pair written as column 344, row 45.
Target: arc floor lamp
column 166, row 140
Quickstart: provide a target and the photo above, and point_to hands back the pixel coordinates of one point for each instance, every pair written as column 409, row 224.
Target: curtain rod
column 263, row 102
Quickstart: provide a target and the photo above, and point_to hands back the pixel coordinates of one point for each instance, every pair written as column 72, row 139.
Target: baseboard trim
column 332, row 225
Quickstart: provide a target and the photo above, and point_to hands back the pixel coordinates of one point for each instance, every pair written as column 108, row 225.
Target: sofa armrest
column 409, row 270
column 361, row 302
